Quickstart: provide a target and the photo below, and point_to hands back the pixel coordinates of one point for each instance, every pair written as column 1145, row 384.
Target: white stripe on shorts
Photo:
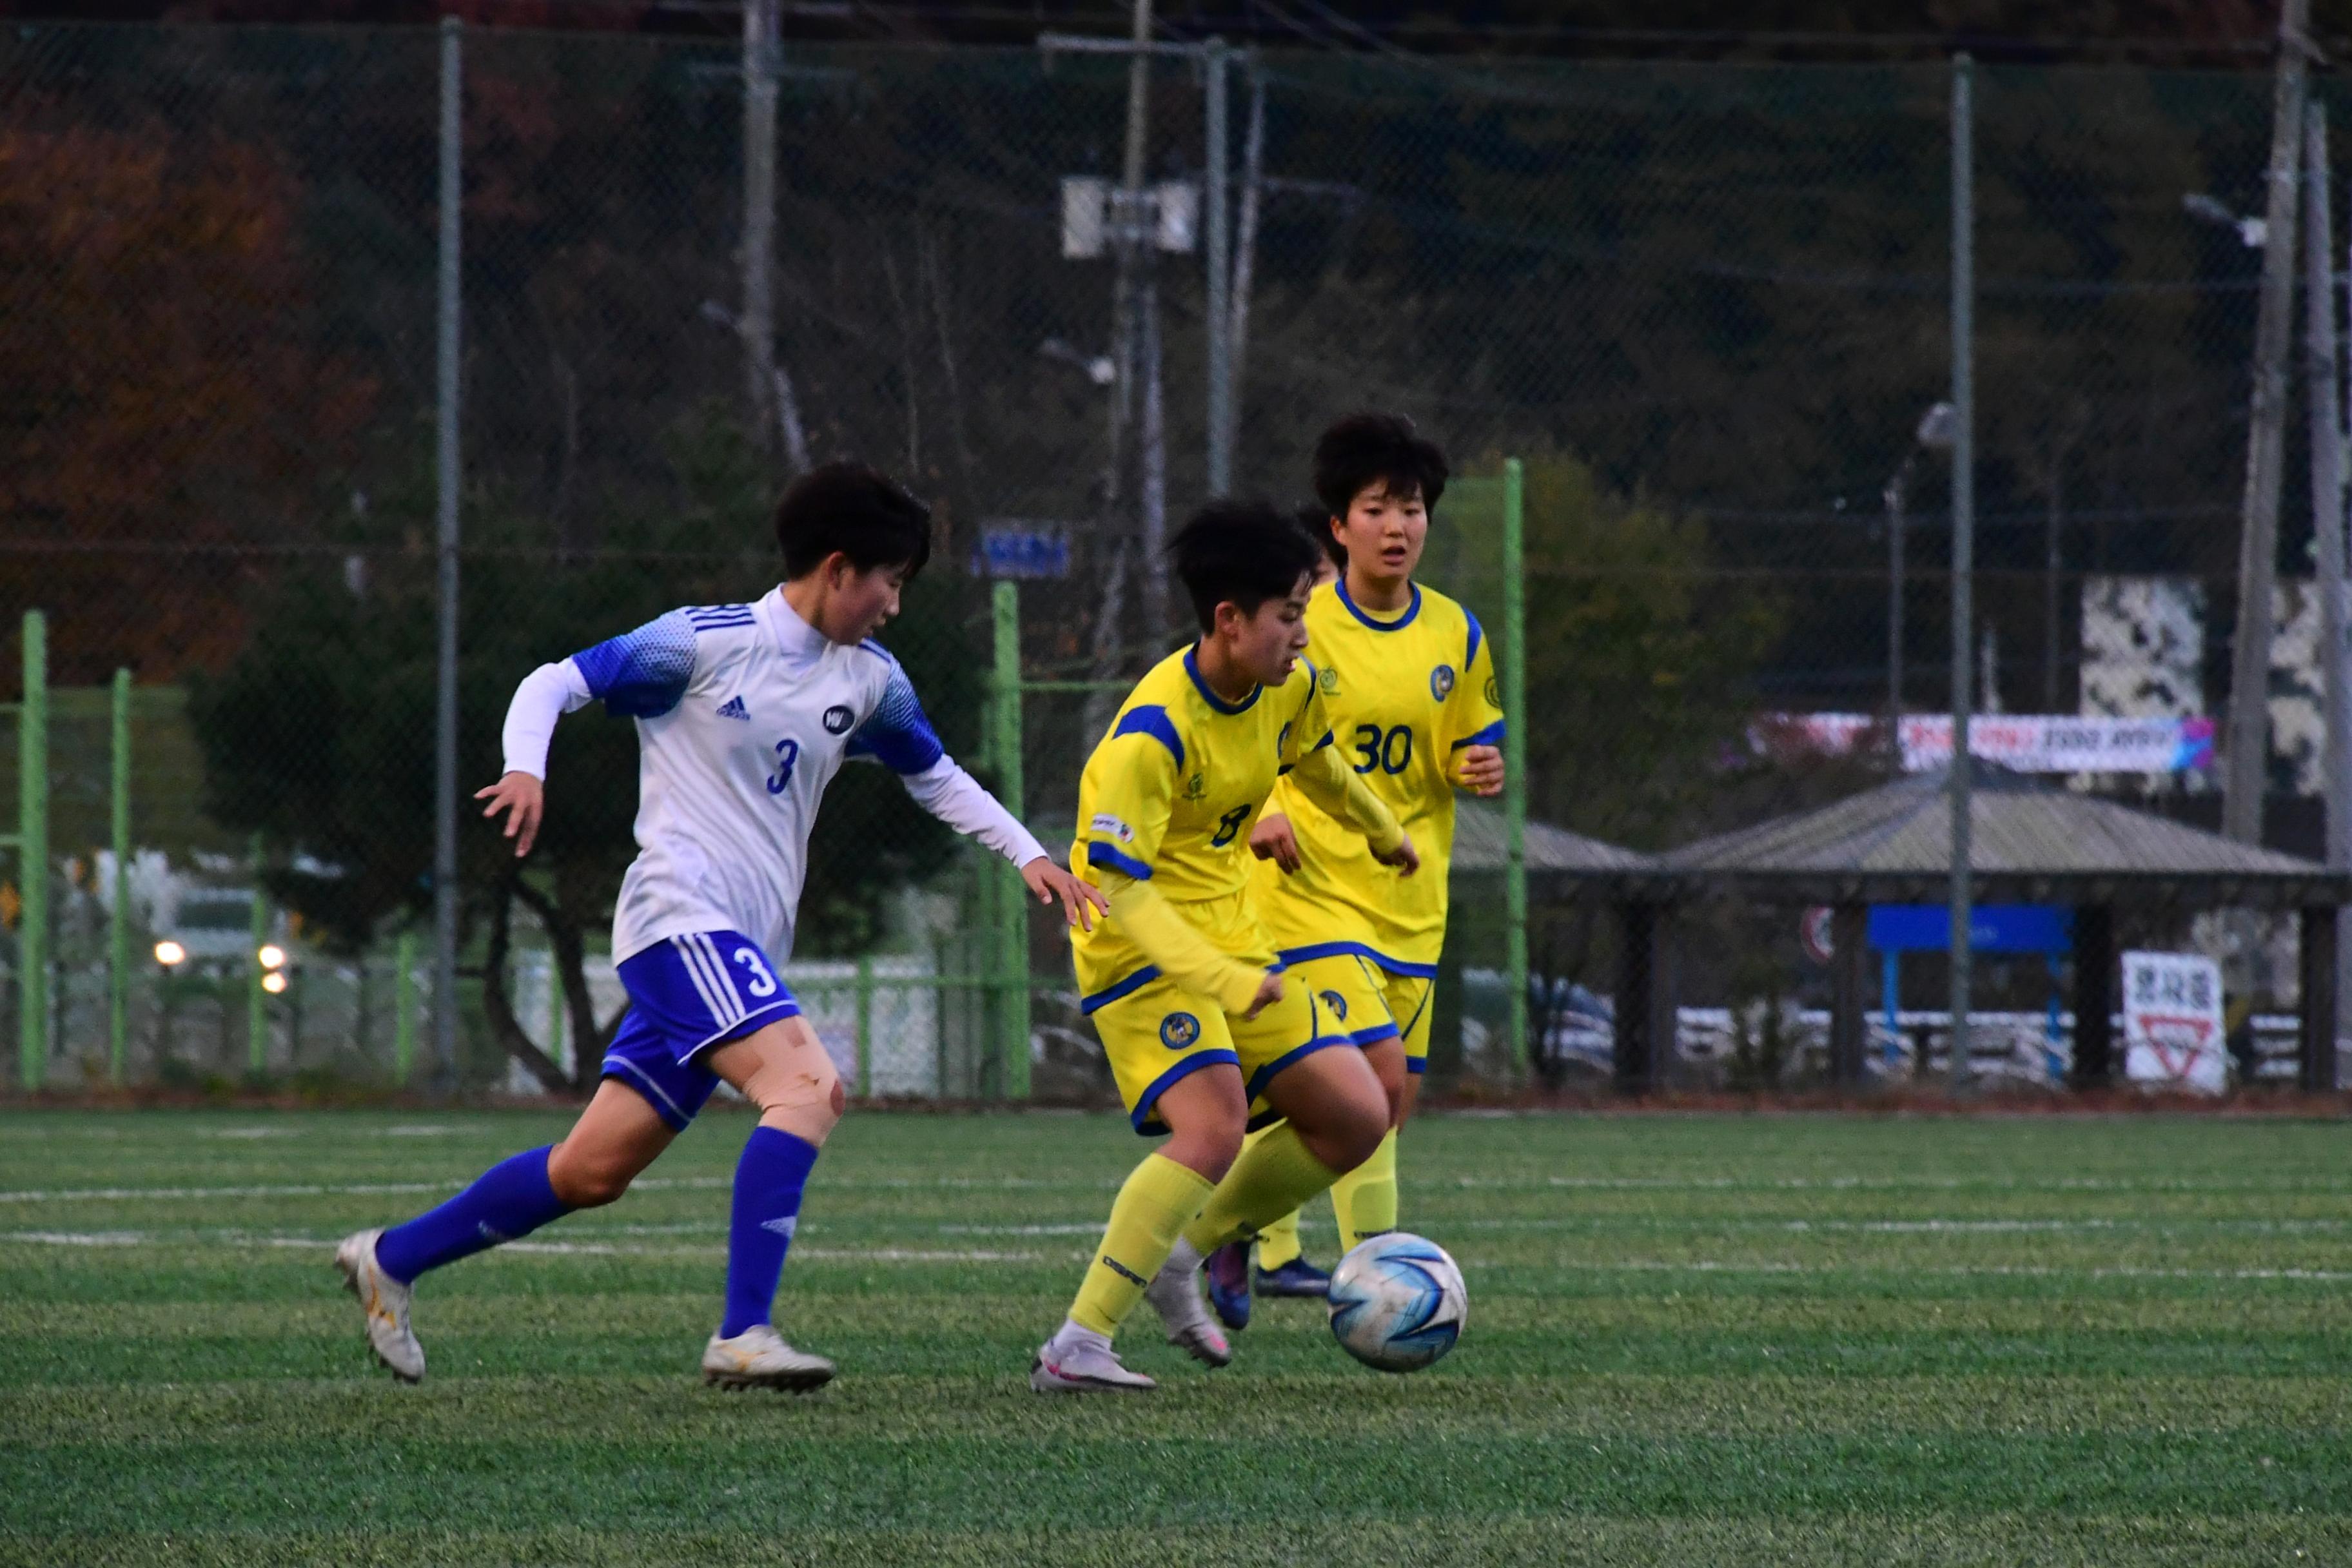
column 689, row 958
column 727, row 987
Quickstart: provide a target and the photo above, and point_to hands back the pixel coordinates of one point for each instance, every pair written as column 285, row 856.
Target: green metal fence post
column 118, row 922
column 257, row 1000
column 1515, row 758
column 33, row 857
column 1004, row 751
column 864, row 1026
column 404, row 1008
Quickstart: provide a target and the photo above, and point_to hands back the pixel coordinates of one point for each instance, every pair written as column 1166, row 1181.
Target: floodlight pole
column 2250, row 668
column 2324, row 364
column 1245, row 256
column 444, row 727
column 1964, row 500
column 1220, row 276
column 762, row 42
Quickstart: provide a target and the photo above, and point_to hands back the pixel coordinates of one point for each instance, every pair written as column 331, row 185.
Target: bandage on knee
column 796, row 1088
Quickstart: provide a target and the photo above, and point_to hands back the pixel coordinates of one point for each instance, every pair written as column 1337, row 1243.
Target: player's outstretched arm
column 1330, row 783
column 899, row 736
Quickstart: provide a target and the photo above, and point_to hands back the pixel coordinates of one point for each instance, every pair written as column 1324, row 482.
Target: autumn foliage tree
column 159, row 395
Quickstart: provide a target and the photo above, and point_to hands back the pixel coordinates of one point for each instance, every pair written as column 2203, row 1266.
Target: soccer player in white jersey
column 744, row 713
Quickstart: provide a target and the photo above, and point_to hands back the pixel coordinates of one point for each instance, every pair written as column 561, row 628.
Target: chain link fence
column 1703, row 306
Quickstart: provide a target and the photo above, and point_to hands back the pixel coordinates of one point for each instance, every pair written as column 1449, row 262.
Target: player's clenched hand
column 523, row 798
column 1480, row 770
column 1404, row 856
column 1272, row 839
column 1081, row 900
column 1269, row 992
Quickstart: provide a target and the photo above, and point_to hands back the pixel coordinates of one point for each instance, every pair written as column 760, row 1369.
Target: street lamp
column 2252, row 231
column 1935, row 430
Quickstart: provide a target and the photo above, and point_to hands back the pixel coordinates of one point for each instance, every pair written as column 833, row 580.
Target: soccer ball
column 1397, row 1302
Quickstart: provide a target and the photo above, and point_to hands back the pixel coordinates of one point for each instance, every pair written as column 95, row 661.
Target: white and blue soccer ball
column 1397, row 1303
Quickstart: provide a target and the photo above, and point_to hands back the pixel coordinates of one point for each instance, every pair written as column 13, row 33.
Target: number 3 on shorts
column 762, row 983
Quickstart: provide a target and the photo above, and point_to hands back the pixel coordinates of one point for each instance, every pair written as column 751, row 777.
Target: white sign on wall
column 2172, row 1021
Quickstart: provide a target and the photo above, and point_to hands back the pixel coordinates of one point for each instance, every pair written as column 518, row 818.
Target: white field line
column 920, row 1255
column 1890, row 1184
column 557, row 1248
column 1712, row 1266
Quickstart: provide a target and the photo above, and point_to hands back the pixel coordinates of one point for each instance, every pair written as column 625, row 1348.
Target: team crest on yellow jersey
column 1441, row 682
column 1326, row 680
column 1179, row 1030
column 1338, row 1004
column 1196, row 787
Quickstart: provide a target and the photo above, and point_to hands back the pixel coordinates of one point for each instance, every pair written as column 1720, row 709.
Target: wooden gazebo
column 2031, row 842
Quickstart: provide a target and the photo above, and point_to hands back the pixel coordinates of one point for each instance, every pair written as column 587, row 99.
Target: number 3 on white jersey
column 762, row 983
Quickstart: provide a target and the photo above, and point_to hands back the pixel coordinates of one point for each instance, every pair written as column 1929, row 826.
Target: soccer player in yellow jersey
column 1410, row 679
column 1204, row 1033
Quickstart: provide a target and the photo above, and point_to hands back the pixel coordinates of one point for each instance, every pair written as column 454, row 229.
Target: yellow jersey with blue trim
column 1168, row 797
column 1405, row 692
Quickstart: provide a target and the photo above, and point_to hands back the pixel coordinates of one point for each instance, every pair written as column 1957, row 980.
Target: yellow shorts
column 1160, row 1033
column 1377, row 1000
column 1408, row 997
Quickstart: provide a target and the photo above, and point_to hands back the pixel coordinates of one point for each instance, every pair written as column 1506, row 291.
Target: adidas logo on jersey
column 733, row 709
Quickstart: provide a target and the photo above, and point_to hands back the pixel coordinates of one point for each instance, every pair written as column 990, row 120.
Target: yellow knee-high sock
column 1145, row 1218
column 1271, row 1179
column 1365, row 1199
column 1278, row 1242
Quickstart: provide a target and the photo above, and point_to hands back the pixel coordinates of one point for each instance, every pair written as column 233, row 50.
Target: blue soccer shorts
column 686, row 995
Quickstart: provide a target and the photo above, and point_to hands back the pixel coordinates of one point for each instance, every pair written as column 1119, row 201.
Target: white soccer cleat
column 1175, row 1293
column 385, row 1302
column 1073, row 1363
column 758, row 1358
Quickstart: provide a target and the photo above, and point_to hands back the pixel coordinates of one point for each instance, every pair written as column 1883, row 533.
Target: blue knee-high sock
column 510, row 1199
column 768, row 1180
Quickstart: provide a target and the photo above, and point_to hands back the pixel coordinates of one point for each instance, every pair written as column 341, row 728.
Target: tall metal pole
column 1895, row 524
column 118, row 919
column 1514, row 653
column 1245, row 260
column 1151, row 470
column 2250, row 667
column 445, row 726
column 2053, row 558
column 1005, row 753
column 1220, row 266
column 2322, row 363
column 1964, row 503
column 256, row 995
column 33, row 857
column 762, row 41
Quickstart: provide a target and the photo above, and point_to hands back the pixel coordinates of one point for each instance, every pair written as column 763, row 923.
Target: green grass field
column 1693, row 1339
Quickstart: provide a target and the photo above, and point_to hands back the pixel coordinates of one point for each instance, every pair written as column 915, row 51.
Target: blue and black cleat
column 1228, row 1270
column 1296, row 1278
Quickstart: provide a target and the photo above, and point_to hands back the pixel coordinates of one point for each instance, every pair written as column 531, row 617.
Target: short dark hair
column 860, row 511
column 1240, row 552
column 1315, row 521
column 1369, row 448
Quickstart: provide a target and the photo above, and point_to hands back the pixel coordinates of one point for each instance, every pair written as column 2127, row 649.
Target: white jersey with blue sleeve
column 744, row 713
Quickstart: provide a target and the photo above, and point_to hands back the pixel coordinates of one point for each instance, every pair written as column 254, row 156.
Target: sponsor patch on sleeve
column 1107, row 823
